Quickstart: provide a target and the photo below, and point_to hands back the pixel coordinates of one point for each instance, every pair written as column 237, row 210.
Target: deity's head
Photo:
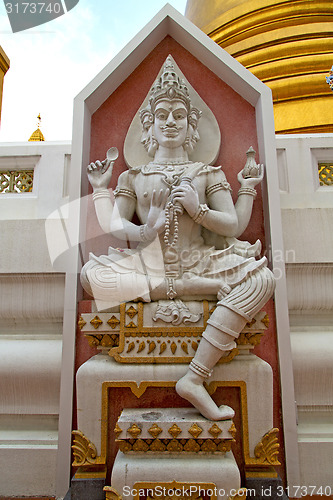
column 169, row 120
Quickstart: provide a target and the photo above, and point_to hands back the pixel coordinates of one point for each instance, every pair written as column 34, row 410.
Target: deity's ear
column 206, row 150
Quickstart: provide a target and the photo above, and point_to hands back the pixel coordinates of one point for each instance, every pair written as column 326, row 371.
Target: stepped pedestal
column 173, row 452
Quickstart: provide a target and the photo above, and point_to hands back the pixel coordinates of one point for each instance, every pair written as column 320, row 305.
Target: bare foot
column 190, row 387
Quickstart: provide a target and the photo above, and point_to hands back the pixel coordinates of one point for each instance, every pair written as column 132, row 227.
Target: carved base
column 132, row 473
column 135, row 333
column 172, row 430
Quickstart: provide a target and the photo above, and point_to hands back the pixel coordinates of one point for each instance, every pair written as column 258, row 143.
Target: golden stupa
column 288, row 44
column 37, row 135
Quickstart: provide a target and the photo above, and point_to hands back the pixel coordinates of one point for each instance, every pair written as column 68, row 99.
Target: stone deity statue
column 181, row 206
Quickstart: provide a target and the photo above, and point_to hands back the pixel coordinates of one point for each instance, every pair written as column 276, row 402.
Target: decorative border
column 175, row 445
column 124, row 336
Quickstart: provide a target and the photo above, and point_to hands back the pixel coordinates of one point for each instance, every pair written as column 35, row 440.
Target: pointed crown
column 169, row 86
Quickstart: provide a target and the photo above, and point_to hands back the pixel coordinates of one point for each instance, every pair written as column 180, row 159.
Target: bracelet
column 248, row 190
column 101, row 193
column 200, row 213
column 143, row 233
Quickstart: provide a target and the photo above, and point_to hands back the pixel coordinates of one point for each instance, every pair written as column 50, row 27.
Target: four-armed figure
column 181, row 205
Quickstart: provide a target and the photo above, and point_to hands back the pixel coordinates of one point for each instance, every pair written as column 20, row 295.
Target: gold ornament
column 130, row 347
column 96, row 322
column 131, row 312
column 113, row 322
column 192, row 446
column 265, row 320
column 268, row 449
column 209, row 446
column 174, row 430
column 163, row 347
column 131, row 325
column 134, row 431
column 195, row 430
column 124, row 446
column 81, row 323
column 117, row 430
column 140, row 445
column 174, row 446
column 84, row 451
column 157, row 446
column 154, row 430
column 233, row 430
column 215, row 431
column 111, row 493
column 152, row 346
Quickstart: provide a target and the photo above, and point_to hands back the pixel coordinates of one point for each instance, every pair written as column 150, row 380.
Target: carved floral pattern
column 267, row 450
column 84, row 451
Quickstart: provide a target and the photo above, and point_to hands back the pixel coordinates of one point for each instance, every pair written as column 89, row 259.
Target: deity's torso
column 155, row 176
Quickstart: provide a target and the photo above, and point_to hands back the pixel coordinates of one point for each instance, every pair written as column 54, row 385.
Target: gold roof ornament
column 37, row 135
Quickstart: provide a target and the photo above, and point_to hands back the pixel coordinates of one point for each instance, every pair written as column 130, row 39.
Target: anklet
column 200, row 369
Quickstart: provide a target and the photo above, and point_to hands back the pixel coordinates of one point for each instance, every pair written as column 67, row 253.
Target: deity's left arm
column 246, row 197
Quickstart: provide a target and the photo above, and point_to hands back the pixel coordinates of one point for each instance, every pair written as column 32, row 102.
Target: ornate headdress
column 169, row 86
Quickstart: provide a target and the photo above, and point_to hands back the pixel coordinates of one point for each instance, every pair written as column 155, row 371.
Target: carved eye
column 161, row 116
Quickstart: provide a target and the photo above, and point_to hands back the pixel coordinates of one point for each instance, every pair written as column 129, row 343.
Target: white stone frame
column 170, row 22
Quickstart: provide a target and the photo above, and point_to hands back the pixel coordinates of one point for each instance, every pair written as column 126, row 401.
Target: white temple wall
column 32, row 297
column 31, row 317
column 307, row 211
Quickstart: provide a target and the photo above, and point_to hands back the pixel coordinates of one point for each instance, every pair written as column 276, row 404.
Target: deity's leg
column 225, row 324
column 215, row 343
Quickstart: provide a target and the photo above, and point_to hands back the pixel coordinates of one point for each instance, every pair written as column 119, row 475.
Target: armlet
column 217, row 187
column 125, row 192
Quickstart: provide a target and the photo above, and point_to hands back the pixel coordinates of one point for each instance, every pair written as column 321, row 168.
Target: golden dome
column 288, row 44
column 37, row 134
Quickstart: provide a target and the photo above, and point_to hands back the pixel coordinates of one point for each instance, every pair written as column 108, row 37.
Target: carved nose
column 170, row 120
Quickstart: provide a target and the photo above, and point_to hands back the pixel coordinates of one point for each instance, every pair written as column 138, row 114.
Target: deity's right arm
column 103, row 208
column 113, row 216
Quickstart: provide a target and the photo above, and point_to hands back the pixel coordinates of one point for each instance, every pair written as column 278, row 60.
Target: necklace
column 169, row 211
column 170, row 162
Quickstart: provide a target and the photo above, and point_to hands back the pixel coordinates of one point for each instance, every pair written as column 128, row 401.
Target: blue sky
column 52, row 63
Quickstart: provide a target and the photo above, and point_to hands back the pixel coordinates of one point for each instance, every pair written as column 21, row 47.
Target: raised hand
column 156, row 214
column 99, row 174
column 251, row 182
